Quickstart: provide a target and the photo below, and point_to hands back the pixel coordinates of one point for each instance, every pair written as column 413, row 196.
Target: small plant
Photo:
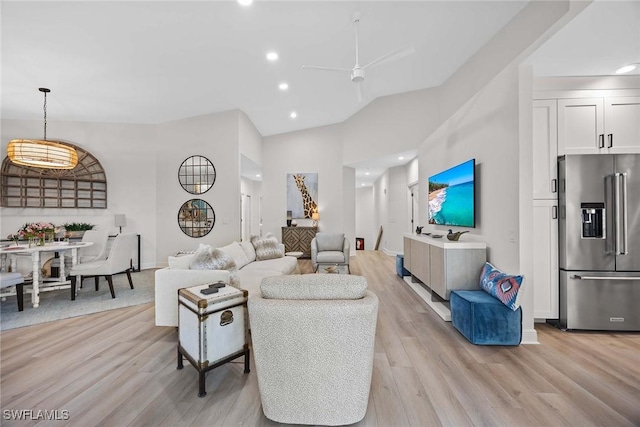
column 78, row 226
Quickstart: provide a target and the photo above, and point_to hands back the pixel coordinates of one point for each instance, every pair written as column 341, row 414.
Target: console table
column 298, row 239
column 438, row 266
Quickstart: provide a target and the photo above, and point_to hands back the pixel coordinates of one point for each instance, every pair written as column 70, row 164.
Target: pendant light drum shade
column 42, row 154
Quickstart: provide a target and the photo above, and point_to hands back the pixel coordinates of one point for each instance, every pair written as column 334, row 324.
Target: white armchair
column 313, row 342
column 118, row 261
column 329, row 248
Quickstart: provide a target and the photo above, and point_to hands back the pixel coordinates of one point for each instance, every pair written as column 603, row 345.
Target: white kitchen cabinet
column 599, row 125
column 622, row 124
column 545, row 260
column 580, row 126
column 545, row 149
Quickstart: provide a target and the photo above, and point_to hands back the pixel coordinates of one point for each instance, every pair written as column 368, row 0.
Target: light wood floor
column 117, row 369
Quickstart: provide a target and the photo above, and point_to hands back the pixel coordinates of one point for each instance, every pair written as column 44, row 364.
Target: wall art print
column 302, row 194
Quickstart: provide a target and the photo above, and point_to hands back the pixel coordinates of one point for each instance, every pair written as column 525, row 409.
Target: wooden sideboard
column 298, row 239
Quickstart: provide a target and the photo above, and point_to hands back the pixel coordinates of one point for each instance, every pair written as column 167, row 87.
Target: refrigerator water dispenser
column 593, row 220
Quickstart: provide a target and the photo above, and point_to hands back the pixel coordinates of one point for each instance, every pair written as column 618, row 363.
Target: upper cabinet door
column 581, row 126
column 622, row 124
column 545, row 149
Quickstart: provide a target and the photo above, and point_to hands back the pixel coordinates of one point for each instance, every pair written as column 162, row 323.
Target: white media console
column 438, row 266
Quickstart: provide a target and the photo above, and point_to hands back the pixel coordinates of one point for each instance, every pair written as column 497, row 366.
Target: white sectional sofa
column 250, row 274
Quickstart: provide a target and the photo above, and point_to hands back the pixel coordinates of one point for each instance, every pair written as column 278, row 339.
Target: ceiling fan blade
column 311, row 67
column 359, row 91
column 391, row 56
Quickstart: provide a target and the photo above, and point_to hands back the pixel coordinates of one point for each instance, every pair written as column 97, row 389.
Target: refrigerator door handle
column 623, row 211
column 617, row 217
column 580, row 277
column 611, row 235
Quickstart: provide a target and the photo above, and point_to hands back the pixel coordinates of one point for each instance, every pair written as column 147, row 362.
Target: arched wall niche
column 84, row 186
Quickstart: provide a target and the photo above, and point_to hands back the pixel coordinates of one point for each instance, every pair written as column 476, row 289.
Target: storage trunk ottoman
column 212, row 329
column 484, row 320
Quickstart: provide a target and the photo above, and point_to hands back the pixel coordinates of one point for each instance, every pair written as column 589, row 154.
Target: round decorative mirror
column 196, row 218
column 197, row 174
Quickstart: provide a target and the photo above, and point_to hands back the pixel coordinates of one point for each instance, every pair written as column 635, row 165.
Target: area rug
column 56, row 305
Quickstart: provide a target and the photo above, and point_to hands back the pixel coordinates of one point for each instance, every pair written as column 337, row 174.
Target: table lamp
column 315, row 216
column 120, row 221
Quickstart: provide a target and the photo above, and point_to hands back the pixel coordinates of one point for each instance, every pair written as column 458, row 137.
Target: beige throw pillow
column 207, row 258
column 267, row 247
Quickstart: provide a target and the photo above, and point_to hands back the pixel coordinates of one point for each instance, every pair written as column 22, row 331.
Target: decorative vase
column 419, row 230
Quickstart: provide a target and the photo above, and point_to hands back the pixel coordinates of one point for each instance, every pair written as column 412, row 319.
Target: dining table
column 39, row 283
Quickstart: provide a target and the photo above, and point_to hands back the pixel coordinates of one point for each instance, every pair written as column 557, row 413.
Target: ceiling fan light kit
column 358, row 72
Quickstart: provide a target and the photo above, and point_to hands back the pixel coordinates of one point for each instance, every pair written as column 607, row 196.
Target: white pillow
column 249, row 250
column 182, row 262
column 237, row 253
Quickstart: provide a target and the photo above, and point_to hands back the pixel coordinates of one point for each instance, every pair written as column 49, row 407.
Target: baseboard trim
column 390, row 253
column 529, row 336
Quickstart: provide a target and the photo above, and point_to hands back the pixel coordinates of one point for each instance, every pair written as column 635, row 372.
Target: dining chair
column 13, row 279
column 95, row 252
column 118, row 261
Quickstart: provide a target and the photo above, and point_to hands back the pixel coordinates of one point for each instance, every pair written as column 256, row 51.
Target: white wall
column 365, row 218
column 127, row 154
column 398, row 213
column 349, row 206
column 317, row 150
column 381, row 209
column 249, row 139
column 214, row 136
column 391, row 124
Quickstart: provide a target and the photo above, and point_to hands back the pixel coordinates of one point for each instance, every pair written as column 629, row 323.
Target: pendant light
column 40, row 153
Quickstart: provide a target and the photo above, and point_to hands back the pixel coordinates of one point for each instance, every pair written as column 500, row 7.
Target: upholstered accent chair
column 118, row 261
column 329, row 248
column 313, row 342
column 9, row 280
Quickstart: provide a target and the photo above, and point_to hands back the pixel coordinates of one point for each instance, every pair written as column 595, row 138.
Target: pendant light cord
column 45, row 116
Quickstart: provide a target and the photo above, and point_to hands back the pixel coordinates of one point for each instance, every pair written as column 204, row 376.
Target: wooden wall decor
column 84, row 186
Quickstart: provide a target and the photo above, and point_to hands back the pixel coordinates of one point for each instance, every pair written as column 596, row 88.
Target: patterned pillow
column 267, row 247
column 207, row 258
column 502, row 286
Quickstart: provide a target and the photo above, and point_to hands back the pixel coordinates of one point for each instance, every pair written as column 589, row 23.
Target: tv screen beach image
column 451, row 196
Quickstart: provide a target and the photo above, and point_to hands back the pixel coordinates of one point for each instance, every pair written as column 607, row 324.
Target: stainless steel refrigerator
column 599, row 241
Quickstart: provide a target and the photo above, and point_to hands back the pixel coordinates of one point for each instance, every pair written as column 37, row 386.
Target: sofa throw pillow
column 504, row 287
column 181, row 262
column 249, row 250
column 235, row 251
column 330, row 241
column 207, row 258
column 267, row 247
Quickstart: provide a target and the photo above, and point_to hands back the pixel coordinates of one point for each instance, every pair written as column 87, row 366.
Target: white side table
column 294, row 254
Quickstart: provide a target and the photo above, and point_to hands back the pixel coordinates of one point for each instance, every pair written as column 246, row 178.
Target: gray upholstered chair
column 95, row 252
column 313, row 342
column 329, row 249
column 8, row 280
column 118, row 261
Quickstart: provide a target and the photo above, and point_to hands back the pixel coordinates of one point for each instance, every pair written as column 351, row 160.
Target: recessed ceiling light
column 283, row 86
column 366, row 173
column 245, row 2
column 257, row 175
column 363, row 184
column 272, row 56
column 626, row 69
column 293, row 115
column 400, row 158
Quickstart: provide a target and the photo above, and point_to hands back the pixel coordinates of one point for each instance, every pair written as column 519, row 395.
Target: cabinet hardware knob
column 601, row 140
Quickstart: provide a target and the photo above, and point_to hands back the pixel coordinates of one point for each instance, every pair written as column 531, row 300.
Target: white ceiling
column 156, row 61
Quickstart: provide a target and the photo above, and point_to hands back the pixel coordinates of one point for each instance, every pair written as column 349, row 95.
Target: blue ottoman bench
column 400, row 270
column 484, row 320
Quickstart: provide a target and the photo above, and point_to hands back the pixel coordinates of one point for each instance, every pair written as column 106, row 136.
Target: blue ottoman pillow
column 484, row 320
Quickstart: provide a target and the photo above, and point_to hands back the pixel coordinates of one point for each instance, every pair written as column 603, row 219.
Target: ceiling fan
column 358, row 71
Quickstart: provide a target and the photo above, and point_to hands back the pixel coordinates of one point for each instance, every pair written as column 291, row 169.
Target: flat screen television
column 452, row 196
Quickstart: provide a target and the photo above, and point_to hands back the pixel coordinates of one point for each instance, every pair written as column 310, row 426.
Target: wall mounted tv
column 452, row 196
